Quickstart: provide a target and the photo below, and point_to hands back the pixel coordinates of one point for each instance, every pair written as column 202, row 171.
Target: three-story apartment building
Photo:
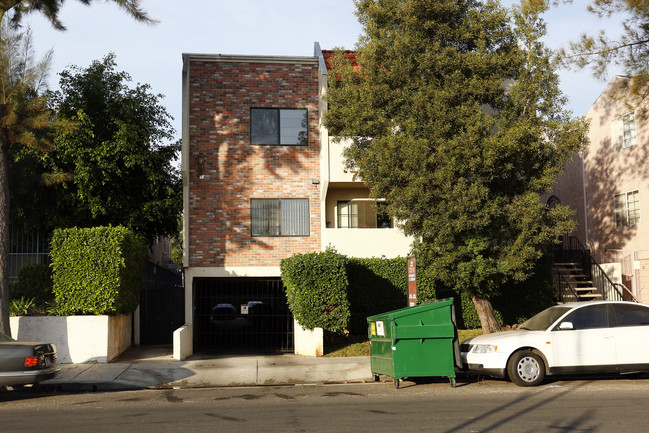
column 262, row 180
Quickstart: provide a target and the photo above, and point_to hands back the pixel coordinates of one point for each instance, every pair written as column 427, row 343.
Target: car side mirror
column 564, row 326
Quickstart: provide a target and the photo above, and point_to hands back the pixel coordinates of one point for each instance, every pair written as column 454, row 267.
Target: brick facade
column 220, row 95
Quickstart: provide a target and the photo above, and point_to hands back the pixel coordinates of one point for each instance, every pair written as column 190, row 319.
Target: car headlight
column 484, row 348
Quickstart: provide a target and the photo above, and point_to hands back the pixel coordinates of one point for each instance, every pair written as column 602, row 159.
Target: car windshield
column 5, row 338
column 545, row 318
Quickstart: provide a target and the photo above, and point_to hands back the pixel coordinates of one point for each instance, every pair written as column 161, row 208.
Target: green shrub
column 34, row 282
column 467, row 316
column 375, row 286
column 316, row 288
column 97, row 270
column 517, row 302
column 21, row 306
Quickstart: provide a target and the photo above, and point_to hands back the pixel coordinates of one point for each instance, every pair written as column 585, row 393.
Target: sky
column 152, row 54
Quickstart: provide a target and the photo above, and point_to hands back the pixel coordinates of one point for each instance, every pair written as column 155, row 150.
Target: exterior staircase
column 578, row 277
column 582, row 288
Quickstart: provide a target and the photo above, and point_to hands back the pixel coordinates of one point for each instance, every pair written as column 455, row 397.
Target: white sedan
column 581, row 337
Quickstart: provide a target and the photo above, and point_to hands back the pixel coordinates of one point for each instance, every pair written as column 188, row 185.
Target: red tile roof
column 328, row 56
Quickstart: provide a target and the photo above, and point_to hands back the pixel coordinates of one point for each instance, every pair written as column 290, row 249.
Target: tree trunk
column 486, row 314
column 4, row 240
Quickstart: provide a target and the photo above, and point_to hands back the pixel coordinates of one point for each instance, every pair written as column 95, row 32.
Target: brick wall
column 220, row 97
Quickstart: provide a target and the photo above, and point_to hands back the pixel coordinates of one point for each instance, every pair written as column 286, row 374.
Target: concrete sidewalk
column 153, row 368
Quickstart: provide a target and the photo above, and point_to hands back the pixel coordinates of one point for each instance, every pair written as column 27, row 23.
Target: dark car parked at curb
column 23, row 363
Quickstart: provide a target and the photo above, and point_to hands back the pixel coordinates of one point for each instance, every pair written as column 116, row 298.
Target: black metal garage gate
column 241, row 315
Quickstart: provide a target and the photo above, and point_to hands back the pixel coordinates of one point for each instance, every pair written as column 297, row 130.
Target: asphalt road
column 618, row 405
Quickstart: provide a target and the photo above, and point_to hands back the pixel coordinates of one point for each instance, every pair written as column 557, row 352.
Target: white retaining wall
column 78, row 339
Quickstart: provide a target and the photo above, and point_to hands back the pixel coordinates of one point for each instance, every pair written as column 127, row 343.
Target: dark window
column 279, row 126
column 627, row 209
column 279, row 217
column 383, row 220
column 593, row 316
column 630, row 315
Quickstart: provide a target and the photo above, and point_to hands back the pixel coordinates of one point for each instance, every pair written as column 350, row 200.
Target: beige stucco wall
column 609, row 172
column 336, row 167
column 389, row 243
column 643, row 281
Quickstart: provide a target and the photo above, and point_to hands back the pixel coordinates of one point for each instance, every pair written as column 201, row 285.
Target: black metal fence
column 162, row 305
column 27, row 248
column 241, row 315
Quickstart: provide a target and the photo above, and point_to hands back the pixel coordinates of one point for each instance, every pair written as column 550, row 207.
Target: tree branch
column 608, row 50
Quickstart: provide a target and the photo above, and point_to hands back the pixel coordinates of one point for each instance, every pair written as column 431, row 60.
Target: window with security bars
column 279, row 126
column 623, row 133
column 279, row 217
column 627, row 209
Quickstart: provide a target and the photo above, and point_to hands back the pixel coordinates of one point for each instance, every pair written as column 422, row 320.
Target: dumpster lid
column 406, row 311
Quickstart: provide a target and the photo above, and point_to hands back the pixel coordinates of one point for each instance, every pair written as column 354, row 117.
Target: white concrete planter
column 78, row 339
column 308, row 343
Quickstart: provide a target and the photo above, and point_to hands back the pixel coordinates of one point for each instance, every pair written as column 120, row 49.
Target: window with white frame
column 347, row 214
column 362, row 213
column 279, row 217
column 627, row 209
column 279, row 126
column 623, row 132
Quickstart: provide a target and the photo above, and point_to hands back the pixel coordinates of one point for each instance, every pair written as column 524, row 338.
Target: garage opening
column 241, row 315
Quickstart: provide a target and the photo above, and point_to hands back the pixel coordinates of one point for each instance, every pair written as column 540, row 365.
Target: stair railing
column 564, row 292
column 626, row 293
column 571, row 250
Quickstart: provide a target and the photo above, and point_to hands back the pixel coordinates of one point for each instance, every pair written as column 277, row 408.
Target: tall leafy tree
column 117, row 156
column 628, row 49
column 21, row 121
column 457, row 121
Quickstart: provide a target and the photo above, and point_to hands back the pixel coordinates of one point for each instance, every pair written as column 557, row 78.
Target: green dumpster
column 419, row 341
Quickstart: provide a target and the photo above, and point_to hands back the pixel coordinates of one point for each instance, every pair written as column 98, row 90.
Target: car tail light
column 32, row 361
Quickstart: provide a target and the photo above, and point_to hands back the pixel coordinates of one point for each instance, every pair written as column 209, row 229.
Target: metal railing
column 563, row 290
column 26, row 248
column 626, row 293
column 571, row 250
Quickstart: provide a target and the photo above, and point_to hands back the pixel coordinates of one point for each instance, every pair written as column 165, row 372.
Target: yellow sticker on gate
column 373, row 328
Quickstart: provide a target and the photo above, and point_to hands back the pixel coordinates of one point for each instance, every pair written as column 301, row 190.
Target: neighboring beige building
column 608, row 187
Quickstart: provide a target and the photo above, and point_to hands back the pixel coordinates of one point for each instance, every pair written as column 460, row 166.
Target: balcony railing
column 368, row 242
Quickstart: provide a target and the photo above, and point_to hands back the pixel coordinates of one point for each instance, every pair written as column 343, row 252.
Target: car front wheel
column 526, row 368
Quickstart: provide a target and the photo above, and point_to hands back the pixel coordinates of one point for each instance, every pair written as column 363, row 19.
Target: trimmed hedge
column 316, row 288
column 363, row 287
column 375, row 286
column 97, row 270
column 34, row 282
column 338, row 293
